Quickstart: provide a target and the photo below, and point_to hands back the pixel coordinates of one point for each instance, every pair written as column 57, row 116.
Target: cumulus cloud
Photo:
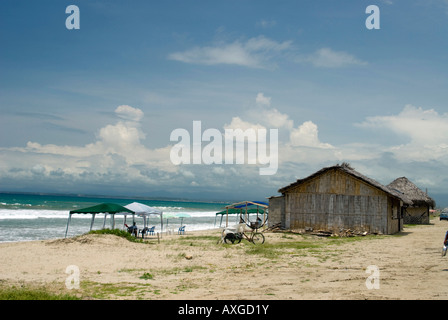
column 425, row 133
column 238, row 123
column 306, row 135
column 424, row 147
column 119, row 138
column 118, row 156
column 275, row 119
column 268, row 116
column 299, row 144
column 253, row 53
column 262, row 100
column 123, row 138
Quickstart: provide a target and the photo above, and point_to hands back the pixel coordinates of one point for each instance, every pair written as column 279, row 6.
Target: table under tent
column 243, row 210
column 134, row 209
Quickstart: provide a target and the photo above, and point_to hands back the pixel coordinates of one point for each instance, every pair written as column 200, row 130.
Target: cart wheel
column 258, row 238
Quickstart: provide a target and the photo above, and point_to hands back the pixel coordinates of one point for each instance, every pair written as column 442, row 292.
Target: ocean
column 28, row 217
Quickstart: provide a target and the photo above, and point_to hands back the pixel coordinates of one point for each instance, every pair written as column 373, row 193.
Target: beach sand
column 194, row 266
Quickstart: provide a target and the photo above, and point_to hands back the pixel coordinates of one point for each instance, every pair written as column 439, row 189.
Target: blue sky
column 92, row 110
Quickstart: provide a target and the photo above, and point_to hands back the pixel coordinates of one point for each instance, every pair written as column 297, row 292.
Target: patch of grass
column 118, row 233
column 147, row 276
column 177, row 270
column 299, row 244
column 98, row 290
column 212, row 239
column 274, row 250
column 130, row 270
column 24, row 293
column 196, row 241
column 184, row 285
column 181, row 255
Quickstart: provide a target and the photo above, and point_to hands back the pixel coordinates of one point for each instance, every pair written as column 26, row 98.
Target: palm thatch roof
column 410, row 190
column 345, row 167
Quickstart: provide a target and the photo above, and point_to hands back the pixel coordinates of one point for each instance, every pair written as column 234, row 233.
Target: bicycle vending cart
column 246, row 229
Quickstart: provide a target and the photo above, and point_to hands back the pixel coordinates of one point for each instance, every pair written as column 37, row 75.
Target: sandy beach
column 408, row 265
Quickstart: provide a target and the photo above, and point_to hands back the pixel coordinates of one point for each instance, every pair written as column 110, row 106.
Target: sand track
column 410, row 266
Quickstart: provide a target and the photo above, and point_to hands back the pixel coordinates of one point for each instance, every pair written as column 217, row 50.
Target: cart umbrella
column 106, row 208
column 236, row 211
column 244, row 205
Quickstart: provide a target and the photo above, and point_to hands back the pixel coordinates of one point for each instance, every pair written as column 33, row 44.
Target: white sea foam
column 29, row 214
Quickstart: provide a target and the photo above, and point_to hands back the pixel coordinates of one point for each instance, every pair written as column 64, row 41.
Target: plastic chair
column 150, row 231
column 181, row 230
column 146, row 230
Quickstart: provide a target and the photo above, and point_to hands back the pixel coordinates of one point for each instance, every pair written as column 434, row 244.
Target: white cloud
column 425, row 133
column 306, row 135
column 275, row 119
column 122, row 138
column 118, row 155
column 328, row 58
column 262, row 100
column 259, row 52
column 238, row 123
column 254, row 53
column 267, row 116
column 129, row 113
column 298, row 145
column 266, row 23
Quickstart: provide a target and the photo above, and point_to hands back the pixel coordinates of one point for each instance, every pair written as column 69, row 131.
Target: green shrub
column 119, row 233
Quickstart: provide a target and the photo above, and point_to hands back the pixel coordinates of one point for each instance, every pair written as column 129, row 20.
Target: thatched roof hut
column 338, row 198
column 411, row 191
column 346, row 167
column 418, row 212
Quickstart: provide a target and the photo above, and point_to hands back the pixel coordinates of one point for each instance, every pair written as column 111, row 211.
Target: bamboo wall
column 336, row 200
column 417, row 215
column 277, row 211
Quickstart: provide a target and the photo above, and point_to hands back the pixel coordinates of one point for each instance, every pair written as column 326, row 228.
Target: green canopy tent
column 106, row 208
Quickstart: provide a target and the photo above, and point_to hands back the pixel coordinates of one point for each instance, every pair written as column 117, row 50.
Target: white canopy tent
column 142, row 210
